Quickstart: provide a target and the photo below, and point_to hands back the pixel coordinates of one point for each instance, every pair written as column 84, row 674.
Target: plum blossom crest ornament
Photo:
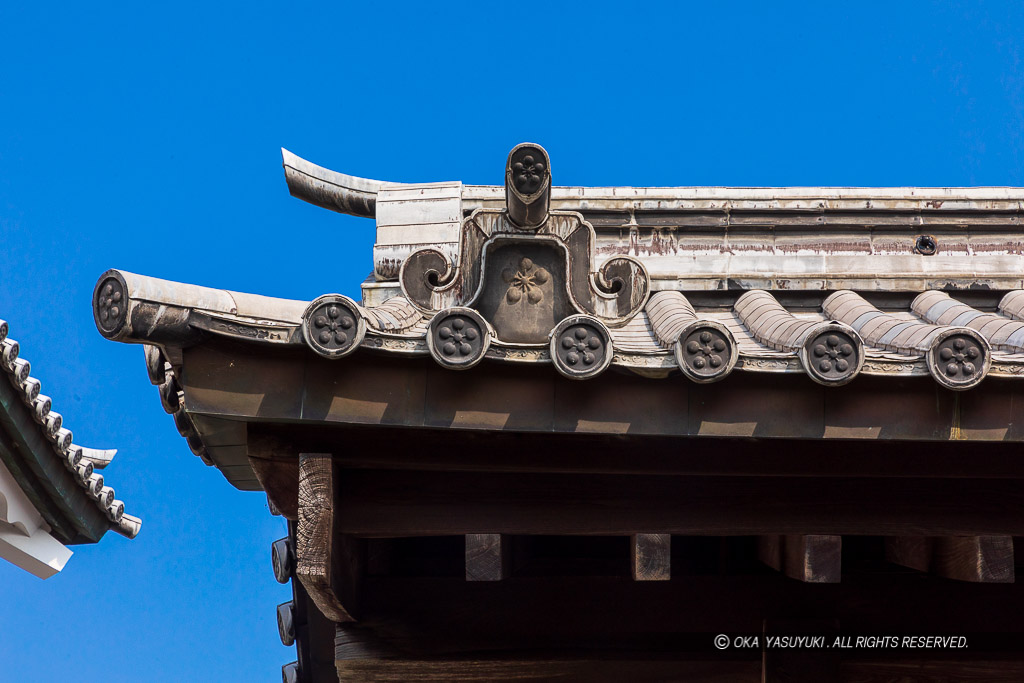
column 581, row 347
column 525, row 281
column 333, row 326
column 458, row 338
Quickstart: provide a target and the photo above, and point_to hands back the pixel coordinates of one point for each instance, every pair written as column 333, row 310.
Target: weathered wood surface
column 272, row 385
column 487, row 557
column 980, row 559
column 327, row 563
column 648, row 454
column 275, row 462
column 809, row 558
column 650, row 557
column 377, row 503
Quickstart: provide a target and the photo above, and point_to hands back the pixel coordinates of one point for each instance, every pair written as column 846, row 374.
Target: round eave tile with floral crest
column 110, row 303
column 706, row 351
column 529, row 169
column 458, row 338
column 332, row 326
column 833, row 354
column 581, row 347
column 959, row 359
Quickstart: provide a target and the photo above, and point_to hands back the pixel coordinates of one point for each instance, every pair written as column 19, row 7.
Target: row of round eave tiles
column 52, row 425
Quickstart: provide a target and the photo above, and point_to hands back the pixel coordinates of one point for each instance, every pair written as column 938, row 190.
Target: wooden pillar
column 328, row 564
column 487, row 557
column 809, row 558
column 650, row 557
column 982, row 559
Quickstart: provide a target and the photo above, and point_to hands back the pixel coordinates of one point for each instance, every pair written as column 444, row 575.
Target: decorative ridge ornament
column 528, row 185
column 535, row 250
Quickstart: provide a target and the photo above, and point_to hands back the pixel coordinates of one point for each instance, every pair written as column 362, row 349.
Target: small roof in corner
column 51, row 492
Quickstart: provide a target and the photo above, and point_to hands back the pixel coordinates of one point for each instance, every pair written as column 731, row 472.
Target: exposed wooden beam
column 376, row 503
column 808, row 558
column 328, row 564
column 275, row 463
column 487, row 557
column 650, row 557
column 981, row 559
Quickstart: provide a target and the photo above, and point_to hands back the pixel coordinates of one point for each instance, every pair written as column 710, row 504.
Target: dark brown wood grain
column 651, row 557
column 980, row 559
column 810, row 558
column 487, row 557
column 327, row 563
column 378, row 503
column 275, row 462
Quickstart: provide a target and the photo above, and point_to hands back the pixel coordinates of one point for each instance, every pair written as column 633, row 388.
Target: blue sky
column 147, row 138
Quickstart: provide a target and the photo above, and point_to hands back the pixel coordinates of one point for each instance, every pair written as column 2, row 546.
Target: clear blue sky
column 147, row 138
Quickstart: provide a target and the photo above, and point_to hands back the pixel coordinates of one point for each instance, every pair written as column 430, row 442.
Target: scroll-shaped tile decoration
column 333, row 326
column 458, row 338
column 581, row 347
column 613, row 292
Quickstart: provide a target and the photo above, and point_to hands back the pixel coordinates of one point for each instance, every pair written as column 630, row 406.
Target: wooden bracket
column 328, row 564
column 275, row 465
column 487, row 557
column 650, row 557
column 982, row 559
column 809, row 558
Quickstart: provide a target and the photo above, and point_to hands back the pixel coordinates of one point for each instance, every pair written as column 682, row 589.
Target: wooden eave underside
column 228, row 387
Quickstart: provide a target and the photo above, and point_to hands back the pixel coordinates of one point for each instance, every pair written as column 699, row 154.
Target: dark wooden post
column 982, row 559
column 809, row 558
column 487, row 557
column 650, row 557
